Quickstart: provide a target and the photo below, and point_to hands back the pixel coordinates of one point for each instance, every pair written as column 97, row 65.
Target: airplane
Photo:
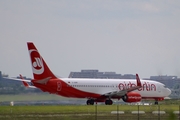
column 94, row 90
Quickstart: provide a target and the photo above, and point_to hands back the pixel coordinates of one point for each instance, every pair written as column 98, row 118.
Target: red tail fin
column 39, row 67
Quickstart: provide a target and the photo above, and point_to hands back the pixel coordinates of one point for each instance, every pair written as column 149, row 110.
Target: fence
column 96, row 112
column 140, row 112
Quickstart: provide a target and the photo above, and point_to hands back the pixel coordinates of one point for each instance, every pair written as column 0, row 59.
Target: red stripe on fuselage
column 53, row 86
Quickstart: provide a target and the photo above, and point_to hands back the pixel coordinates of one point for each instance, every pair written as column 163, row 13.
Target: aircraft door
column 59, row 86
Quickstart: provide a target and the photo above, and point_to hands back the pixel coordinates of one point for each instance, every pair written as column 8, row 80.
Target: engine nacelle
column 132, row 97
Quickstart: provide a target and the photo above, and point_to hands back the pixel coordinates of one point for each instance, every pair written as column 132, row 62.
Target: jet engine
column 132, row 97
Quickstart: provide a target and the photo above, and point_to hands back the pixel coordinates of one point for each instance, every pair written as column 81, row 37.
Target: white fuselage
column 101, row 86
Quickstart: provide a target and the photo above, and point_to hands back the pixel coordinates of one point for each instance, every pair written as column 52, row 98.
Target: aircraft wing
column 16, row 79
column 123, row 92
column 25, row 82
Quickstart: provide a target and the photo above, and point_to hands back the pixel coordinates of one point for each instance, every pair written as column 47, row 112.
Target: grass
column 82, row 111
column 30, row 97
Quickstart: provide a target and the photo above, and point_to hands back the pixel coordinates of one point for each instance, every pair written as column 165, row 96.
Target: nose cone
column 168, row 92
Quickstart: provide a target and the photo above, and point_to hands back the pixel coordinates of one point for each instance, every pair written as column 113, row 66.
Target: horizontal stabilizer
column 43, row 81
column 12, row 78
column 25, row 83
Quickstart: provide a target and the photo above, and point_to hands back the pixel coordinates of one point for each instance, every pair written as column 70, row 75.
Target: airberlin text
column 146, row 86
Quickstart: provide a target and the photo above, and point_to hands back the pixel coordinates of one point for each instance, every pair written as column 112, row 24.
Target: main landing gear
column 108, row 102
column 156, row 102
column 90, row 102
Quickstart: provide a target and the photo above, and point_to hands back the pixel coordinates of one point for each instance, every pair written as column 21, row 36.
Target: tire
column 125, row 98
column 90, row 102
column 108, row 102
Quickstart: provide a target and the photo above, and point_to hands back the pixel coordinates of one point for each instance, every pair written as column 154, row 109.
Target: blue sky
column 124, row 36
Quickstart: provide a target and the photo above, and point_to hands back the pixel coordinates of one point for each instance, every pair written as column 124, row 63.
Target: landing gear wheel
column 108, row 102
column 156, row 102
column 125, row 98
column 90, row 102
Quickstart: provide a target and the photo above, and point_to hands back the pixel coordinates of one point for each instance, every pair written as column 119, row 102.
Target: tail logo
column 37, row 62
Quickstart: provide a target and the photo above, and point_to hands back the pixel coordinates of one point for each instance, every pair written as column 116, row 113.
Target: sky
column 124, row 36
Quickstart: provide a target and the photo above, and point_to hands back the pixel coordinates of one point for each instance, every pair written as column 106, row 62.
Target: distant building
column 10, row 86
column 169, row 81
column 103, row 75
column 2, row 75
column 163, row 77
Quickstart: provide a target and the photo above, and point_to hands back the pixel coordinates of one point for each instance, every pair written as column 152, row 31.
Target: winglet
column 138, row 80
column 25, row 83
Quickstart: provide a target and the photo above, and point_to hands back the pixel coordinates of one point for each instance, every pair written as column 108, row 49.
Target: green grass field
column 82, row 112
column 30, row 97
column 84, row 108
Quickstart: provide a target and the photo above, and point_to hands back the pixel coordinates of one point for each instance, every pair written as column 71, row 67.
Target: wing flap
column 116, row 93
column 123, row 92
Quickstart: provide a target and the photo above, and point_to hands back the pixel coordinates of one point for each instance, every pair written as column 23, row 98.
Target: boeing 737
column 95, row 90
